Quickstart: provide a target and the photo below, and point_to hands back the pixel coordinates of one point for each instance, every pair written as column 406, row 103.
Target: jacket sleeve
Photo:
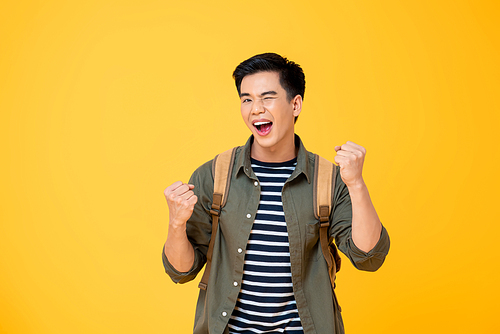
column 198, row 227
column 341, row 231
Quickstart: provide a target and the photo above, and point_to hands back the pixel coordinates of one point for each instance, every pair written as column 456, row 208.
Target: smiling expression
column 270, row 116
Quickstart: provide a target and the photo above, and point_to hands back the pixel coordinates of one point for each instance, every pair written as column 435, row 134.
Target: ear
column 297, row 105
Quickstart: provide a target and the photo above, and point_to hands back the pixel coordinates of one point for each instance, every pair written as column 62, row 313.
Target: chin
column 265, row 142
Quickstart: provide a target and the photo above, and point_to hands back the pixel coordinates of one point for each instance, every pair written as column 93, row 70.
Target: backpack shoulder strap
column 221, row 170
column 324, row 186
column 323, row 196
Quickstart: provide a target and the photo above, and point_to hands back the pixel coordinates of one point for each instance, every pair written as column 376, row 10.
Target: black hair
column 291, row 75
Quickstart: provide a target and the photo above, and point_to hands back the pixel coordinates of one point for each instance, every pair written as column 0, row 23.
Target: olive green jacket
column 318, row 309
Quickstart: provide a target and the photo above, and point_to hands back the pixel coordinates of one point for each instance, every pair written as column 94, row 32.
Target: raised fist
column 181, row 200
column 350, row 157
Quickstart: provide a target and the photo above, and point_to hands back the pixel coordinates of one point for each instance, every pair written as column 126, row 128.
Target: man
column 268, row 273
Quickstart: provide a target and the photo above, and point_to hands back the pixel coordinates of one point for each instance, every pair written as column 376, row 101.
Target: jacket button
column 240, row 250
column 224, row 314
column 235, row 283
column 256, row 183
column 249, row 215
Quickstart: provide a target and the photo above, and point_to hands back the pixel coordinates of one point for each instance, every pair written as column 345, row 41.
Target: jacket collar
column 303, row 164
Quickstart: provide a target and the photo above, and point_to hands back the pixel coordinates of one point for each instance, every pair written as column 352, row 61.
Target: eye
column 246, row 100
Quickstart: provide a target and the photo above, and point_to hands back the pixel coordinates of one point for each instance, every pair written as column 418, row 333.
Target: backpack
column 323, row 195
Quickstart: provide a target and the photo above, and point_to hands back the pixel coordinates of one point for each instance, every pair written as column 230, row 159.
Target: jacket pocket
column 313, row 250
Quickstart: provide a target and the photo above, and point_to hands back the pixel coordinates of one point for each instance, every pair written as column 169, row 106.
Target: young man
column 268, row 272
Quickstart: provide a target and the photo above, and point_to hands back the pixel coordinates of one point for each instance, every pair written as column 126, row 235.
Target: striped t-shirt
column 266, row 303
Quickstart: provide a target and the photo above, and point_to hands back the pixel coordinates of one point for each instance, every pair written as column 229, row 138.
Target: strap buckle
column 215, row 212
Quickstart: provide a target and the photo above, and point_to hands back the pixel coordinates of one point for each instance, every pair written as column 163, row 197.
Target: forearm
column 178, row 249
column 366, row 226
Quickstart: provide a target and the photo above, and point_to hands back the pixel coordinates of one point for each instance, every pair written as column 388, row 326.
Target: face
column 268, row 113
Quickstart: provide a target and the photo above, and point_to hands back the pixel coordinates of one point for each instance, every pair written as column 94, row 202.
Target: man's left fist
column 350, row 157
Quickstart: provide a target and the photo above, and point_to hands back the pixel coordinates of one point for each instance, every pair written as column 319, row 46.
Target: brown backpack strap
column 324, row 183
column 221, row 169
column 324, row 188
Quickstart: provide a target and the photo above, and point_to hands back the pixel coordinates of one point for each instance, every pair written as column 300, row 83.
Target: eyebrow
column 270, row 92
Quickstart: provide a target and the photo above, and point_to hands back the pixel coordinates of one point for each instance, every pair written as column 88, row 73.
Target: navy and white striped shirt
column 266, row 303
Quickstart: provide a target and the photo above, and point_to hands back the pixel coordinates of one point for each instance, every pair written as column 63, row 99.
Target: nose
column 258, row 107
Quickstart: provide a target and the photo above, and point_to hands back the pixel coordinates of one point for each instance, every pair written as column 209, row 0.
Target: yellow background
column 105, row 103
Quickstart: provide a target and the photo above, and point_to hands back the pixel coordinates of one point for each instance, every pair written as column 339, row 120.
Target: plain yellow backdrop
column 103, row 104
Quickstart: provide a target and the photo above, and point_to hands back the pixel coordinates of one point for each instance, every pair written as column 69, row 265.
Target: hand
column 350, row 157
column 181, row 200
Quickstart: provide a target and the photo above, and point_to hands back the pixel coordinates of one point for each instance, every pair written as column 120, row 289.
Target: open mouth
column 263, row 128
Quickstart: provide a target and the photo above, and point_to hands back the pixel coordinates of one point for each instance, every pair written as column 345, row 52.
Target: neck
column 285, row 152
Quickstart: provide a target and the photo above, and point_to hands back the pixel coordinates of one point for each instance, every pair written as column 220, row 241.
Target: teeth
column 260, row 123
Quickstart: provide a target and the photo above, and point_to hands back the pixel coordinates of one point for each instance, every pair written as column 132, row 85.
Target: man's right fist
column 181, row 200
